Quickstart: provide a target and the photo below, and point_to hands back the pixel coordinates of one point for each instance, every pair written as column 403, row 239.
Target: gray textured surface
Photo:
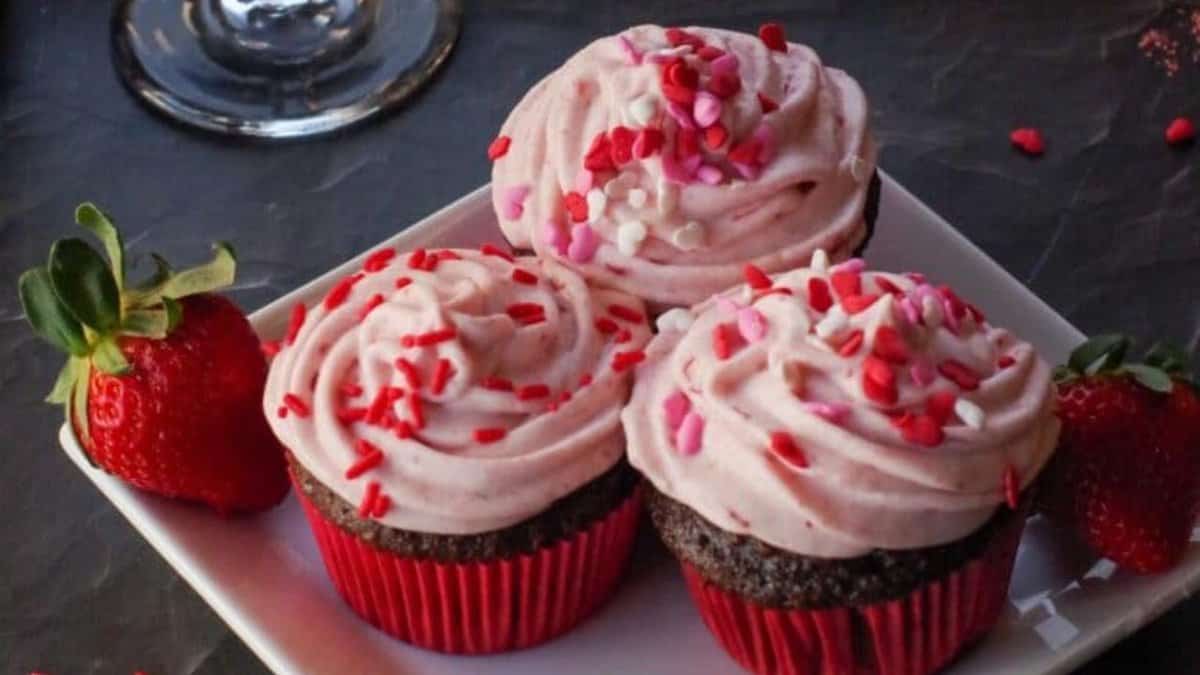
column 1104, row 227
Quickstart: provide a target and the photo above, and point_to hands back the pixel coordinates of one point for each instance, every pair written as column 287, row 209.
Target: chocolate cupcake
column 841, row 462
column 453, row 434
column 659, row 161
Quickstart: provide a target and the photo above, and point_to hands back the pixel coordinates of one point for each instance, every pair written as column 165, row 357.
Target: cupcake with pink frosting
column 841, row 461
column 452, row 424
column 660, row 161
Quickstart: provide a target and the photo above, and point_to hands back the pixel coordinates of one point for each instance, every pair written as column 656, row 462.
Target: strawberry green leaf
column 64, row 385
column 79, row 403
column 174, row 312
column 84, row 284
column 1099, row 353
column 48, row 316
column 1150, row 377
column 217, row 273
column 151, row 323
column 109, row 359
column 1168, row 357
column 99, row 224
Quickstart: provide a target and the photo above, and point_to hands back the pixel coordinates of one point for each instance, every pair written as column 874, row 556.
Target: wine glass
column 279, row 68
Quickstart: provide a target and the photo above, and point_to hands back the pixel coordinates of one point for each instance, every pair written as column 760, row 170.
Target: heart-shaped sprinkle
column 675, row 408
column 690, row 434
column 724, row 65
column 846, row 282
column 512, row 203
column 706, row 110
column 642, row 109
column 819, row 297
column 499, row 147
column 766, row 103
column 772, row 36
column 724, row 85
column 940, row 406
column 1028, row 141
column 922, row 430
column 890, row 346
column 1180, row 131
column 576, row 205
column 681, row 115
column 715, row 136
column 630, row 236
column 621, row 145
column 689, row 237
column 584, row 243
column 751, row 324
column 647, row 142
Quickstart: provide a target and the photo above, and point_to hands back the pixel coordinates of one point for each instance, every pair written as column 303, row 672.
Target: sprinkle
column 1012, row 487
column 621, row 149
column 369, row 460
column 373, row 302
column 755, row 277
column 846, row 282
column 416, row 259
column 726, row 64
column 606, row 325
column 401, row 282
column 434, row 337
column 492, row 249
column 410, row 372
column 678, row 36
column 530, row 392
column 512, row 204
column 496, row 383
column 724, row 85
column 675, row 408
column 853, row 304
column 485, row 435
column 772, row 36
column 584, row 243
column 282, row 412
column 408, row 341
column 784, row 446
column 523, row 276
column 909, row 310
column 689, row 434
column 940, row 406
column 340, row 291
column 382, row 504
column 348, row 416
column 959, row 374
column 971, row 414
column 585, row 379
column 622, row 361
column 922, row 373
column 887, row 286
column 680, row 73
column 820, row 261
column 922, row 430
column 498, row 148
column 715, row 136
column 879, row 382
column 706, row 110
column 819, row 297
column 430, row 263
column 350, row 390
column 1028, row 140
column 599, row 154
column 555, row 237
column 833, row 323
column 1006, row 361
column 630, row 236
column 710, row 175
column 623, row 336
column 722, row 340
column 689, row 237
column 637, row 198
column 379, row 406
column 931, row 311
column 681, row 115
column 414, row 409
column 1180, row 131
column 367, row 506
column 647, row 142
column 852, row 344
column 889, row 346
column 766, row 103
column 834, row 413
column 677, row 319
column 632, row 55
column 752, row 325
column 379, row 259
column 777, row 290
column 854, row 265
column 441, row 374
column 402, row 430
column 626, row 313
column 296, row 405
column 576, row 205
column 270, row 347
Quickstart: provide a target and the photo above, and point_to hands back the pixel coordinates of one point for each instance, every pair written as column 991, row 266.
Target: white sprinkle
column 833, row 323
column 971, row 414
column 642, row 109
column 689, row 237
column 1056, row 631
column 596, row 203
column 820, row 261
column 668, row 196
column 636, row 198
column 630, row 236
column 677, row 319
column 931, row 311
column 1103, row 569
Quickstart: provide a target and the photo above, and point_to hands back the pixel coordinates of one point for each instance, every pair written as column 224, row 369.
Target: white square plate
column 264, row 577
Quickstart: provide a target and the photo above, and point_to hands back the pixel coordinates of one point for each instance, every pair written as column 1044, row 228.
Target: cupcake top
column 456, row 391
column 659, row 161
column 833, row 411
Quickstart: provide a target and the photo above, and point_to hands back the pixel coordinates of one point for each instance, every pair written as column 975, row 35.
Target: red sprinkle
column 767, row 104
column 778, row 290
column 416, row 259
column 576, row 205
column 648, row 142
column 623, row 336
column 379, row 407
column 756, row 278
column 852, row 344
column 622, row 361
column 606, row 325
column 1006, row 361
column 489, row 434
column 531, row 319
column 414, row 409
column 410, row 372
column 296, row 322
column 282, row 412
column 524, row 276
column 373, row 302
column 678, row 36
column 367, row 507
column 1028, row 140
column 890, row 346
column 1012, row 487
column 498, row 148
column 819, row 297
column 940, row 406
column 382, row 504
column 959, row 374
column 340, row 291
column 679, row 73
column 496, row 383
column 296, row 405
column 745, row 152
column 402, row 430
column 687, row 143
column 364, row 447
column 492, row 249
column 854, row 304
column 1180, row 131
column 530, row 392
column 724, row 85
column 599, row 155
column 846, row 283
column 772, row 36
column 626, row 313
column 585, row 380
column 519, row 310
column 447, row 254
column 715, row 136
column 709, row 53
column 369, row 460
column 408, row 341
column 401, row 282
column 784, row 446
column 348, row 416
column 430, row 262
column 621, row 149
column 434, row 337
column 679, row 94
column 441, row 375
column 270, row 347
column 887, row 286
column 722, row 340
column 923, row 430
column 379, row 259
column 879, row 382
column 350, row 390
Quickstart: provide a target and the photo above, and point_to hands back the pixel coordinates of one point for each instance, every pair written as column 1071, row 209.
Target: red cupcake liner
column 482, row 607
column 914, row 635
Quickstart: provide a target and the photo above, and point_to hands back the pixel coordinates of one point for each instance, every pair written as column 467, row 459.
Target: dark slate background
column 1104, row 227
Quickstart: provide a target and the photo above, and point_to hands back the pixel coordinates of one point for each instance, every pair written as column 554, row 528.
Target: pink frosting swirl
column 840, row 411
column 487, row 388
column 645, row 187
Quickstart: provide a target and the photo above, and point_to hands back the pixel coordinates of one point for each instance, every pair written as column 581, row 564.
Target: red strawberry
column 165, row 380
column 1126, row 476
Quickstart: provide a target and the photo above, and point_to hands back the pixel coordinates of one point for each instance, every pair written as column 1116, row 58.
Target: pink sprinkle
column 747, row 171
column 584, row 243
column 834, row 413
column 555, row 237
column 911, row 312
column 752, row 324
column 728, row 305
column 950, row 321
column 766, row 143
column 513, row 202
column 922, row 373
column 724, row 64
column 681, row 115
column 853, row 266
column 584, row 180
column 706, row 110
column 674, row 171
column 676, row 407
column 710, row 175
column 690, row 433
column 631, row 53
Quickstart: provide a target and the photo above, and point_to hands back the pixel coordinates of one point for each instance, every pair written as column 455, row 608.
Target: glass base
column 282, row 69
